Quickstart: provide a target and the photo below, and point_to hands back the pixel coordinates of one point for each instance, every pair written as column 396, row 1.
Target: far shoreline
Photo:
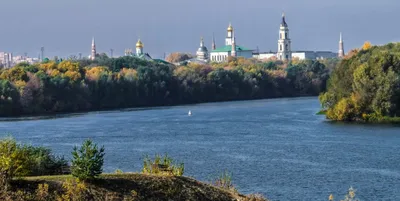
column 55, row 115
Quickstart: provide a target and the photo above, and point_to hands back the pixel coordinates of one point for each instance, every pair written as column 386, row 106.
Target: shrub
column 343, row 111
column 42, row 192
column 162, row 165
column 118, row 171
column 74, row 190
column 87, row 162
column 224, row 181
column 350, row 196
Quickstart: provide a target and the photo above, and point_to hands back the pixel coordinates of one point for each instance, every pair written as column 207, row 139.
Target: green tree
column 43, row 162
column 87, row 162
column 365, row 85
column 14, row 161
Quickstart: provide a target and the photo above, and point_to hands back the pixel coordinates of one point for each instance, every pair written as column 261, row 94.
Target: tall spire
column 283, row 23
column 93, row 55
column 213, row 46
column 228, row 40
column 341, row 47
column 201, row 42
column 233, row 52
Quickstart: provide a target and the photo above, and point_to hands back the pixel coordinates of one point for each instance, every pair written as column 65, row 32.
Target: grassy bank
column 126, row 186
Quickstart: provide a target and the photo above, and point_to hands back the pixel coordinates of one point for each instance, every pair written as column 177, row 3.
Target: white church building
column 221, row 54
column 139, row 52
column 284, row 53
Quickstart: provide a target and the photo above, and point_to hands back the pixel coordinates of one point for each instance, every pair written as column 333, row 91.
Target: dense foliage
column 365, row 86
column 106, row 83
column 43, row 162
column 87, row 162
column 13, row 161
column 22, row 160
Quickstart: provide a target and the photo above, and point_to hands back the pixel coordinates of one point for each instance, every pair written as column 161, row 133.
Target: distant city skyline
column 67, row 27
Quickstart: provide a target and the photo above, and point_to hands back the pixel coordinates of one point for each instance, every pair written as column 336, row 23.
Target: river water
column 276, row 147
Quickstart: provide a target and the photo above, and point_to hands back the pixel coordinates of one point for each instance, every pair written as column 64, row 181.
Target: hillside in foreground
column 127, row 186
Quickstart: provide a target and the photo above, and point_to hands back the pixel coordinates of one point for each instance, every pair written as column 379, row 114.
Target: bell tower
column 341, row 47
column 228, row 40
column 93, row 55
column 233, row 50
column 139, row 48
column 284, row 43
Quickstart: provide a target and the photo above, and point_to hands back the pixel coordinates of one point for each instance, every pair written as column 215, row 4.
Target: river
column 276, row 147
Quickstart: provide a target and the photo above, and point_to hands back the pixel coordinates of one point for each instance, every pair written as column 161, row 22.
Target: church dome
column 139, row 44
column 230, row 28
column 202, row 49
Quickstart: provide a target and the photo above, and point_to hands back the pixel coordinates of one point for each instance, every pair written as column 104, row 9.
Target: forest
column 365, row 86
column 109, row 83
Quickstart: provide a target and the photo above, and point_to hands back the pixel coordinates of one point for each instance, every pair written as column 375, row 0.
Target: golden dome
column 139, row 44
column 230, row 28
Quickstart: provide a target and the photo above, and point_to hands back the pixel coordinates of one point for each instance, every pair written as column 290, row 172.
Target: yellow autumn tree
column 128, row 74
column 73, row 75
column 343, row 110
column 53, row 72
column 68, row 66
column 14, row 74
column 366, row 45
column 51, row 65
column 20, row 84
column 94, row 73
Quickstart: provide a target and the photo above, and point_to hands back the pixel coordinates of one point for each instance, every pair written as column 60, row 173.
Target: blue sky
column 66, row 27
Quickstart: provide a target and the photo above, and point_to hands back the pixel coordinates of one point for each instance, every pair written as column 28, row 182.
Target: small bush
column 162, row 165
column 224, row 181
column 350, row 196
column 118, row 171
column 74, row 190
column 87, row 162
column 42, row 192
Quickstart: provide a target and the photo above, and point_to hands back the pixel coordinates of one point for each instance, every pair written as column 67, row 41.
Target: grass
column 142, row 186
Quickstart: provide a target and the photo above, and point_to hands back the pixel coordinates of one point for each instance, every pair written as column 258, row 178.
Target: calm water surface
column 279, row 148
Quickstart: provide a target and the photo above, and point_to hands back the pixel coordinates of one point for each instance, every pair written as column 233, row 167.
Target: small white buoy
column 190, row 113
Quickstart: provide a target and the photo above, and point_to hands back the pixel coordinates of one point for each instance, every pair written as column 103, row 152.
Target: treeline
column 107, row 83
column 365, row 86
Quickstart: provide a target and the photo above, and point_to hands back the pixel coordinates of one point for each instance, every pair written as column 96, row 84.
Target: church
column 284, row 53
column 128, row 52
column 139, row 52
column 231, row 48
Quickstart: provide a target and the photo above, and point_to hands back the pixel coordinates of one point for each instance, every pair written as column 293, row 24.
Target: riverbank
column 126, row 186
column 365, row 118
column 54, row 115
